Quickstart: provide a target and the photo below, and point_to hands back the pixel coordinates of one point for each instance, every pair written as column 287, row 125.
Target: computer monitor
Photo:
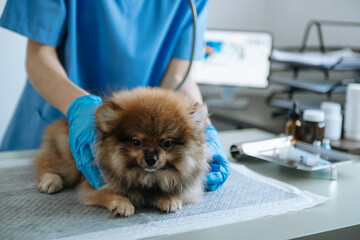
column 234, row 58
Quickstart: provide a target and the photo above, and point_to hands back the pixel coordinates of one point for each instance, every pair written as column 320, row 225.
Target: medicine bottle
column 313, row 126
column 352, row 112
column 333, row 120
column 293, row 125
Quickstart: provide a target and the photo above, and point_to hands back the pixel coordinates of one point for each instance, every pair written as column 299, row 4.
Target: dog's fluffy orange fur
column 150, row 148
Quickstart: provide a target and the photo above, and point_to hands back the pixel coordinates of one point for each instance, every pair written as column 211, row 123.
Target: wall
column 285, row 18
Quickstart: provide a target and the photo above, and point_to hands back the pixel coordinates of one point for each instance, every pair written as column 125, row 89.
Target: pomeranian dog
column 150, row 149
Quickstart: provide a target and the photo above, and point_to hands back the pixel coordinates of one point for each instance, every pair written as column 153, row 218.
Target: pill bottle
column 333, row 120
column 352, row 112
column 293, row 125
column 313, row 126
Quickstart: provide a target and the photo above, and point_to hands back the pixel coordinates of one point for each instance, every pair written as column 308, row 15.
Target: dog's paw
column 122, row 208
column 168, row 205
column 50, row 183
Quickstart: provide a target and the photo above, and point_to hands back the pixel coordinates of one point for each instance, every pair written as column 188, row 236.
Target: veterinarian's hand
column 220, row 167
column 82, row 136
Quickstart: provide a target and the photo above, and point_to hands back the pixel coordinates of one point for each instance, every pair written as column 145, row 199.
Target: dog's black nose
column 151, row 160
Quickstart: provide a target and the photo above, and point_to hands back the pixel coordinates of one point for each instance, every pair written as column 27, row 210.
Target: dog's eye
column 137, row 143
column 167, row 144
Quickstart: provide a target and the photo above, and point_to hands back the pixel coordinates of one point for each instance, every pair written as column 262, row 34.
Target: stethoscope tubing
column 194, row 17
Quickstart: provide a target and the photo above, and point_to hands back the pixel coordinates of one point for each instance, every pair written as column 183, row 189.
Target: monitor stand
column 228, row 100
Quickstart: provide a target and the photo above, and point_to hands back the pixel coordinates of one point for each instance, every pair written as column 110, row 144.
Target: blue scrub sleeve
column 43, row 21
column 184, row 44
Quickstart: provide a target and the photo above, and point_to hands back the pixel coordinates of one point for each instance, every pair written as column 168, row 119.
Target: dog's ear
column 199, row 114
column 107, row 115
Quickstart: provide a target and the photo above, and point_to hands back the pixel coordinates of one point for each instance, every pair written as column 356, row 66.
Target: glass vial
column 313, row 126
column 293, row 125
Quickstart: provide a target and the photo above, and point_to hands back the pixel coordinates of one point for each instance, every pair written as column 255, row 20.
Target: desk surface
column 341, row 211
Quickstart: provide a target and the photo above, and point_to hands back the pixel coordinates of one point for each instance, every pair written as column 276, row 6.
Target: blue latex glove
column 220, row 167
column 82, row 137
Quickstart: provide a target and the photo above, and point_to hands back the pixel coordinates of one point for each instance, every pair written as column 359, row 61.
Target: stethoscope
column 194, row 17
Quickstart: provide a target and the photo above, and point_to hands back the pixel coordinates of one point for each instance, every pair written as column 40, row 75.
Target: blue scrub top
column 104, row 46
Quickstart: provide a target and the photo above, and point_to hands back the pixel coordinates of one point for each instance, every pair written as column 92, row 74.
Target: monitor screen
column 235, row 58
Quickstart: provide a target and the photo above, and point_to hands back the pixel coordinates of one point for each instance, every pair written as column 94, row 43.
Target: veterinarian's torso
column 103, row 45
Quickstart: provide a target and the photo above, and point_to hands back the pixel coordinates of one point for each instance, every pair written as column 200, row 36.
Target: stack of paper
column 344, row 59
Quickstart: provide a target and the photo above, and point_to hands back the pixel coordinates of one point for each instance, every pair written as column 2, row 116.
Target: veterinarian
column 77, row 47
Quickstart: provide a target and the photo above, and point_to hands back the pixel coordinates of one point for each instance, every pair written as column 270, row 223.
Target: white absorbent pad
column 29, row 214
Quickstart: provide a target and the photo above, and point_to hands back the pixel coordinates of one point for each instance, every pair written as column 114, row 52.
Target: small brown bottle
column 293, row 125
column 313, row 126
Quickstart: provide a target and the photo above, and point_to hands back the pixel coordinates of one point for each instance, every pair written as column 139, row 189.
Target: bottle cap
column 313, row 115
column 330, row 108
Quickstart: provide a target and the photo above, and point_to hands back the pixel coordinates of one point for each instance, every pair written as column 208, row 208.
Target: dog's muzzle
column 150, row 158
